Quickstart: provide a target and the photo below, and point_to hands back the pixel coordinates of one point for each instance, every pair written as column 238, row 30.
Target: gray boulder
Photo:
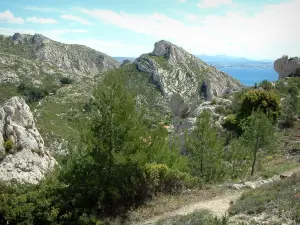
column 24, row 159
column 286, row 66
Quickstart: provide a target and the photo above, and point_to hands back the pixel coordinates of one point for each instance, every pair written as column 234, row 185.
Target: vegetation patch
column 280, row 198
column 196, row 218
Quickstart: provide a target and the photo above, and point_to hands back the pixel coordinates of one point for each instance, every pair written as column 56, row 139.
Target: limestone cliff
column 23, row 157
column 175, row 71
column 287, row 67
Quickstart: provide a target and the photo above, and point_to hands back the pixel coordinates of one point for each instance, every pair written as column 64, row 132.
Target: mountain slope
column 176, row 71
column 76, row 59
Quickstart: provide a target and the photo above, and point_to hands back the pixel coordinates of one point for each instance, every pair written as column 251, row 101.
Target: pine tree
column 258, row 134
column 291, row 106
column 206, row 150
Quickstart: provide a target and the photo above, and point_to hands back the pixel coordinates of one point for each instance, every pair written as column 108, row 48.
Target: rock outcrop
column 23, row 157
column 177, row 72
column 287, row 67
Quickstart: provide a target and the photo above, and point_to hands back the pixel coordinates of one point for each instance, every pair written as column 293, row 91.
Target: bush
column 213, row 101
column 231, row 123
column 8, row 145
column 220, row 110
column 199, row 217
column 161, row 178
column 267, row 101
column 66, row 80
column 34, row 94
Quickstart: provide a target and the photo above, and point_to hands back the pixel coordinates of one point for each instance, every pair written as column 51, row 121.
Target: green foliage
column 290, row 106
column 267, row 101
column 66, row 80
column 206, row 150
column 232, row 123
column 161, row 178
column 259, row 134
column 282, row 196
column 265, row 84
column 238, row 158
column 119, row 143
column 161, row 61
column 8, row 145
column 199, row 218
column 33, row 93
column 30, row 204
column 213, row 101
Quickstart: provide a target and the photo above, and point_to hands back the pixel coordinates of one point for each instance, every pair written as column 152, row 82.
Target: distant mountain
column 121, row 59
column 229, row 59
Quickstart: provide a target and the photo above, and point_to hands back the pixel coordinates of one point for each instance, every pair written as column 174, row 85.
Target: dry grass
column 166, row 203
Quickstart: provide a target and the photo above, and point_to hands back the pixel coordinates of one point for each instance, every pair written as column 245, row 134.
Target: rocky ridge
column 287, row 67
column 175, row 71
column 75, row 59
column 23, row 156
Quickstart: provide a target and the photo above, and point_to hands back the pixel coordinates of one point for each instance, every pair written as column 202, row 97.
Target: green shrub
column 161, row 178
column 232, row 124
column 203, row 217
column 8, row 145
column 33, row 93
column 267, row 101
column 66, row 80
column 220, row 110
column 213, row 101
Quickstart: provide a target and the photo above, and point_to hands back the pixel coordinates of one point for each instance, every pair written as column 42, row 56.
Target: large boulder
column 23, row 157
column 286, row 66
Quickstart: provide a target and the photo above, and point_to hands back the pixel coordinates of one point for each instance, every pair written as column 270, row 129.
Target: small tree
column 237, row 157
column 258, row 134
column 206, row 150
column 291, row 106
column 267, row 101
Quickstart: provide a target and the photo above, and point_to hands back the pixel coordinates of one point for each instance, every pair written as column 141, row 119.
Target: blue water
column 250, row 75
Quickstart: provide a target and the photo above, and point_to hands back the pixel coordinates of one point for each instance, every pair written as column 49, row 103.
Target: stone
column 28, row 161
column 175, row 71
column 286, row 66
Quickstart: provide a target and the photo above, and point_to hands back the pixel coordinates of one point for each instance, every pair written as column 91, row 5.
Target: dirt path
column 218, row 205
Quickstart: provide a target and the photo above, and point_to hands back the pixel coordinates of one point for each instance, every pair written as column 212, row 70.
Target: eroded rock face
column 286, row 66
column 176, row 72
column 23, row 157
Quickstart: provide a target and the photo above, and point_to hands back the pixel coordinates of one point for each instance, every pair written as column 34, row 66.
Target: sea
column 249, row 74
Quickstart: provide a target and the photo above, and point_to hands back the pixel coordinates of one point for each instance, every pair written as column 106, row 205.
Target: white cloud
column 8, row 17
column 76, row 19
column 41, row 20
column 213, row 3
column 269, row 33
column 183, row 1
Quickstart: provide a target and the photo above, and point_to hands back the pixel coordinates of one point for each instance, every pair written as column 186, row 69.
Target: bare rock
column 24, row 159
column 286, row 66
column 175, row 71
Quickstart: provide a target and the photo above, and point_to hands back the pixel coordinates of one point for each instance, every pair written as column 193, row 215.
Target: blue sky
column 253, row 29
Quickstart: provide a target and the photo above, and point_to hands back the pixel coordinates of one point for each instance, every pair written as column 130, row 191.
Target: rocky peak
column 173, row 53
column 176, row 72
column 286, row 67
column 23, row 157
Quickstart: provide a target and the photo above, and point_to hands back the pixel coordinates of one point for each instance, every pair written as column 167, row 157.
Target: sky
column 256, row 29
